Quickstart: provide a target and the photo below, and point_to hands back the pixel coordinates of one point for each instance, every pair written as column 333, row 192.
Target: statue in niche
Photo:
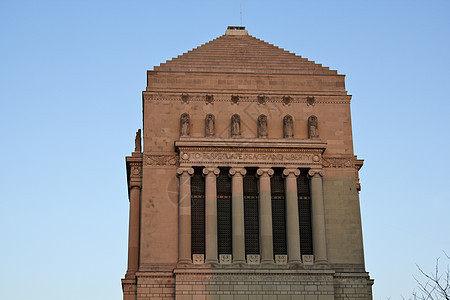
column 209, row 125
column 288, row 127
column 185, row 125
column 137, row 141
column 262, row 126
column 313, row 129
column 235, row 126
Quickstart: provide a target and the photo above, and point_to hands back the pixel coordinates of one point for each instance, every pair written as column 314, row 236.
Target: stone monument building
column 247, row 185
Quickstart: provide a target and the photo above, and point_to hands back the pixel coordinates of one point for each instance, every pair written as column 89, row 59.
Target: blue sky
column 71, row 76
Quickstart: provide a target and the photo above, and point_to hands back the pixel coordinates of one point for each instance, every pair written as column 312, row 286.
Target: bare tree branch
column 436, row 286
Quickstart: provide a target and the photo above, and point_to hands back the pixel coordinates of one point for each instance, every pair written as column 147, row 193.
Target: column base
column 296, row 262
column 267, row 262
column 184, row 262
column 321, row 262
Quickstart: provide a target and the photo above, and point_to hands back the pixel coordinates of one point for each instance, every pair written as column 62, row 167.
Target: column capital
column 314, row 172
column 263, row 172
column 238, row 171
column 210, row 171
column 288, row 171
column 185, row 171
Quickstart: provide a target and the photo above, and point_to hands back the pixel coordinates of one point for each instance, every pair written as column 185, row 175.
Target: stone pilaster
column 318, row 216
column 292, row 218
column 237, row 198
column 184, row 215
column 134, row 185
column 265, row 215
column 211, row 213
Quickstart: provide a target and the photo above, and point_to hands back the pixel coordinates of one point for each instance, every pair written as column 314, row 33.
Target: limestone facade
column 246, row 186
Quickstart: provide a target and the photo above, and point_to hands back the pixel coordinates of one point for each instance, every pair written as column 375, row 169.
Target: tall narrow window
column 278, row 212
column 198, row 212
column 304, row 213
column 251, row 219
column 224, row 230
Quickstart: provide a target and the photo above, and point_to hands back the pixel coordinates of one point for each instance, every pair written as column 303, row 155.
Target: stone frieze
column 338, row 162
column 246, row 157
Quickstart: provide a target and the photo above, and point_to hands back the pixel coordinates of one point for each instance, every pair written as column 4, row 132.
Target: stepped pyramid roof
column 237, row 62
column 238, row 52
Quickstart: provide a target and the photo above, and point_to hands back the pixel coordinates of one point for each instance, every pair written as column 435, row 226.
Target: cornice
column 245, row 143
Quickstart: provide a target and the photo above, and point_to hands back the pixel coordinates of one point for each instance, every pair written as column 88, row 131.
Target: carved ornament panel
column 160, row 160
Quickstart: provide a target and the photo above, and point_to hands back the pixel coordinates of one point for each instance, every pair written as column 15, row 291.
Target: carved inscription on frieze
column 237, row 157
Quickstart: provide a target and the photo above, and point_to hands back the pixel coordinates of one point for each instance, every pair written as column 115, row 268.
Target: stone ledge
column 250, row 143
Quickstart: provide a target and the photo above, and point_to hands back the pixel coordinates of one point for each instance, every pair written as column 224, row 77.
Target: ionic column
column 184, row 215
column 237, row 204
column 133, row 229
column 318, row 216
column 211, row 213
column 265, row 215
column 292, row 219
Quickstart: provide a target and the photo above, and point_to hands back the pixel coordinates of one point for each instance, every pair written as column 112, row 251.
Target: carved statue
column 137, row 141
column 209, row 125
column 262, row 126
column 313, row 129
column 288, row 127
column 185, row 125
column 235, row 125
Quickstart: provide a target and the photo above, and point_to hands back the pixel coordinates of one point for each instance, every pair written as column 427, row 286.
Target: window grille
column 251, row 213
column 224, row 229
column 197, row 212
column 197, row 182
column 304, row 213
column 278, row 212
column 303, row 183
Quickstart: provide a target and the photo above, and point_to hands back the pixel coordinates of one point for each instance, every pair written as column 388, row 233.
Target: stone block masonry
column 192, row 284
